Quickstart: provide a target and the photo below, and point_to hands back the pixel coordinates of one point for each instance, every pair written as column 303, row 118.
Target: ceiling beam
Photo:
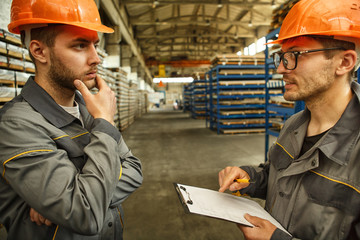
column 180, row 63
column 206, row 22
column 149, row 45
column 211, row 35
column 182, row 2
column 119, row 17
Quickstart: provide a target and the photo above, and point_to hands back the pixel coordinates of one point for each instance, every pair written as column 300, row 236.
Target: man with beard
column 311, row 182
column 65, row 168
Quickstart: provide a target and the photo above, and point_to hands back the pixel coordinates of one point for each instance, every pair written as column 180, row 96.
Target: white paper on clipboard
column 221, row 205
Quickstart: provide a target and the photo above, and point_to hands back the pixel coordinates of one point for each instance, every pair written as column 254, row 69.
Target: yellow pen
column 244, row 180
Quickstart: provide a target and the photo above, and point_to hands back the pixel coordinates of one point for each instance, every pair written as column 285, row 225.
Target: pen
column 244, row 180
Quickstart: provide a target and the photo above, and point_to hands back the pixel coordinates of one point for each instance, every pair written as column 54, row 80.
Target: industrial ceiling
column 191, row 32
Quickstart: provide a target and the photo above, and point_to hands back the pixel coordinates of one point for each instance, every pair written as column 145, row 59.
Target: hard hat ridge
column 80, row 13
column 322, row 17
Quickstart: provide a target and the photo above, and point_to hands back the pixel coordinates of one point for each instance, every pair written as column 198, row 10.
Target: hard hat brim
column 353, row 34
column 14, row 26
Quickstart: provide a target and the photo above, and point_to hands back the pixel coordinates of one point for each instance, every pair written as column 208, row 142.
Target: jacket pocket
column 327, row 191
column 279, row 157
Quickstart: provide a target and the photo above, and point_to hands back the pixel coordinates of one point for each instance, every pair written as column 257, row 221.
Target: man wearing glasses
column 311, row 182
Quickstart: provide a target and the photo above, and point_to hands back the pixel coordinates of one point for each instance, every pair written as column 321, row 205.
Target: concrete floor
column 176, row 148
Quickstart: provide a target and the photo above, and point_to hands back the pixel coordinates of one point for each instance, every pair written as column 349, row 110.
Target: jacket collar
column 338, row 143
column 42, row 102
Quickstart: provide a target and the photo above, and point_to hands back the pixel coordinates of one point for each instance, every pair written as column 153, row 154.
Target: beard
column 313, row 88
column 63, row 77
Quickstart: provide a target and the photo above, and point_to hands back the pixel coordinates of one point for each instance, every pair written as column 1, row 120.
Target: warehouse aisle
column 176, row 148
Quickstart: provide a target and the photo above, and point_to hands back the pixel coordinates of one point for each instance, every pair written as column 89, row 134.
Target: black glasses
column 290, row 59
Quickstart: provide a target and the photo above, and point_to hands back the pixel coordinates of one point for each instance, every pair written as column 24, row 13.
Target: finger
column 229, row 174
column 48, row 222
column 221, row 176
column 36, row 218
column 253, row 220
column 82, row 88
column 41, row 219
column 32, row 214
column 100, row 83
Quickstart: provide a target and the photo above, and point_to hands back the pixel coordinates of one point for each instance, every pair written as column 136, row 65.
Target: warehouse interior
column 196, row 92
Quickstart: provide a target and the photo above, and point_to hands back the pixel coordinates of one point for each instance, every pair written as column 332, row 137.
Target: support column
column 113, row 49
column 125, row 56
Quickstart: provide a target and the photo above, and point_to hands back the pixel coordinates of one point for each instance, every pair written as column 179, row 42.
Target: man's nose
column 94, row 57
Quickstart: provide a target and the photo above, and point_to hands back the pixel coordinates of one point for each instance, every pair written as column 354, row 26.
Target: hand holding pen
column 233, row 178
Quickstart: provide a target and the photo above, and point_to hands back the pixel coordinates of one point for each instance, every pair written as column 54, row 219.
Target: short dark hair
column 330, row 42
column 46, row 35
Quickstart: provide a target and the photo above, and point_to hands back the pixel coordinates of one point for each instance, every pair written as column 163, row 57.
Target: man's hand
column 102, row 104
column 39, row 219
column 227, row 177
column 262, row 230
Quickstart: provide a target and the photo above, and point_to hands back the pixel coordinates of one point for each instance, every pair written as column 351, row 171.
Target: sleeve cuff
column 104, row 126
column 251, row 188
column 280, row 235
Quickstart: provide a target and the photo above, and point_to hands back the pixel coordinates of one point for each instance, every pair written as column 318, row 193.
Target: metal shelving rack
column 15, row 66
column 187, row 97
column 199, row 99
column 237, row 100
column 208, row 98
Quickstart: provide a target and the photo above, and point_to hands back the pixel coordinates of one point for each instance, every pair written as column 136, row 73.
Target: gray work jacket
column 316, row 195
column 74, row 176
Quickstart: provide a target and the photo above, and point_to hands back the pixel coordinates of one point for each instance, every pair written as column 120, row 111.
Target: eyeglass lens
column 288, row 58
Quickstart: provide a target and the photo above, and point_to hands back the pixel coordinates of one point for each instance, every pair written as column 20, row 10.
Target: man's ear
column 347, row 62
column 39, row 51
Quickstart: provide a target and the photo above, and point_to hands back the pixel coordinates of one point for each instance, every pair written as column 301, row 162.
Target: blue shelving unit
column 199, row 99
column 236, row 98
column 187, row 97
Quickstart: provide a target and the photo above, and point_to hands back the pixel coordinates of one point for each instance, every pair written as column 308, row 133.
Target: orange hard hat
column 80, row 13
column 338, row 18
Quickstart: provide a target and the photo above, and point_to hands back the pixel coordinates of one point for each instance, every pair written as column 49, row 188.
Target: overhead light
column 251, row 18
column 219, row 5
column 236, row 36
column 155, row 3
column 174, row 80
column 273, row 3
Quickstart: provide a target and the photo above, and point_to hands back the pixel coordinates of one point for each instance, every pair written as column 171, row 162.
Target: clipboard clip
column 188, row 194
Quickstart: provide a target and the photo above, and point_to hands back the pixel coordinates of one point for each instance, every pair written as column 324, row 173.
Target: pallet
column 234, row 59
column 5, row 99
column 241, row 102
column 226, row 72
column 243, row 131
column 229, row 122
column 239, row 63
column 244, row 112
column 10, row 37
column 231, row 93
column 241, row 83
column 283, row 104
column 276, row 124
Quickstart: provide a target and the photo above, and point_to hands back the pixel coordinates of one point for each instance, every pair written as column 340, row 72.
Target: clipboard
column 219, row 205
